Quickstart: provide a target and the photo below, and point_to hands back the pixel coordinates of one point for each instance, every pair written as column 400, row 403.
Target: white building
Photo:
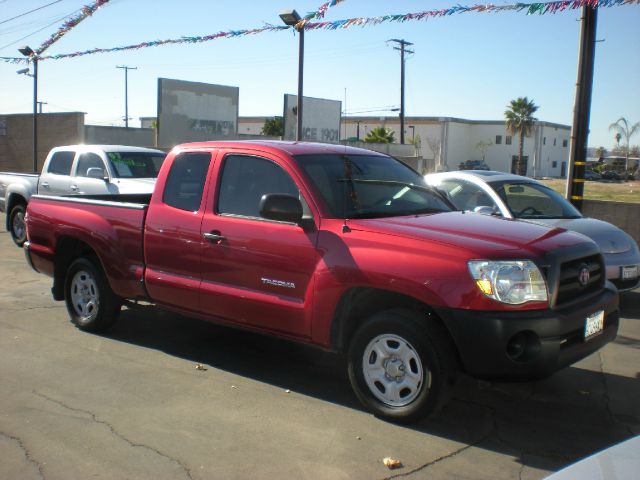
column 447, row 142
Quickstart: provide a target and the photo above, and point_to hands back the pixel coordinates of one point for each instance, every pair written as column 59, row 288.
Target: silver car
column 513, row 196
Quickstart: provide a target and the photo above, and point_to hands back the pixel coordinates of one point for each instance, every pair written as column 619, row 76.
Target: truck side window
column 60, row 163
column 185, row 182
column 246, row 179
column 87, row 161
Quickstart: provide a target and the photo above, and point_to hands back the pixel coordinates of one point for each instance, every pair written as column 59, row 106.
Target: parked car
column 611, row 175
column 79, row 169
column 619, row 462
column 514, row 196
column 591, row 175
column 341, row 248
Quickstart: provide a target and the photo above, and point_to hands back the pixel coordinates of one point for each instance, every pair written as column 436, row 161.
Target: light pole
column 33, row 57
column 292, row 18
column 126, row 92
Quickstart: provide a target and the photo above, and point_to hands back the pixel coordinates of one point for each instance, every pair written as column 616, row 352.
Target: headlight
column 513, row 281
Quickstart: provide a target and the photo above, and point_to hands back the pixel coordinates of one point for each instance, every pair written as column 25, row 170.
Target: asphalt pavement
column 132, row 404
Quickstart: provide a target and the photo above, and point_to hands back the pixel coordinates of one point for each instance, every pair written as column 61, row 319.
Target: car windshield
column 362, row 186
column 135, row 164
column 534, row 201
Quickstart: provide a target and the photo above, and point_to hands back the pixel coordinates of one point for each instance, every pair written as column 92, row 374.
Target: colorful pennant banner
column 540, row 8
column 321, row 11
column 86, row 12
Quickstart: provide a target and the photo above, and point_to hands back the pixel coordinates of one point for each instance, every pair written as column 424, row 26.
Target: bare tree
column 435, row 145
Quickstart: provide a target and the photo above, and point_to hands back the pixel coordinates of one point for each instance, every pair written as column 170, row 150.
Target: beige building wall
column 16, row 137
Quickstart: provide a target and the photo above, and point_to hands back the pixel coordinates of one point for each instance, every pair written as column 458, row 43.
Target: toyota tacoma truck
column 341, row 248
column 78, row 169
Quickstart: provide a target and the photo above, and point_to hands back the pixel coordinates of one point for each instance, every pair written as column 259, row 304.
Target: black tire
column 423, row 375
column 17, row 227
column 91, row 303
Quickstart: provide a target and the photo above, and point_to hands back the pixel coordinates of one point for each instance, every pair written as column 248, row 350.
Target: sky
column 467, row 65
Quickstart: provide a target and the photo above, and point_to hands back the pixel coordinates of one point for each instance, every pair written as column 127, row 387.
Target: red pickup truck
column 342, row 248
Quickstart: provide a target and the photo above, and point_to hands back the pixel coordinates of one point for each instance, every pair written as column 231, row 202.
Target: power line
column 30, row 11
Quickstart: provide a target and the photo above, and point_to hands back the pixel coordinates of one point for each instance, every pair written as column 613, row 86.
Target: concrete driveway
column 131, row 404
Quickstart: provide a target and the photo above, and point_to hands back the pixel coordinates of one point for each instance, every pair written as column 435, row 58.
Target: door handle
column 214, row 237
column 45, row 184
column 74, row 188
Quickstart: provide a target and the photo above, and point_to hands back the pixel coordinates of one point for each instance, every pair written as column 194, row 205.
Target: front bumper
column 550, row 339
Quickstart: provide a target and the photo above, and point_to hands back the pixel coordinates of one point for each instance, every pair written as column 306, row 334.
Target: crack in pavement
column 607, row 398
column 27, row 453
column 116, row 433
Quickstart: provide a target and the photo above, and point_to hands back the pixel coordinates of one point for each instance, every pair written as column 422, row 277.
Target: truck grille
column 572, row 287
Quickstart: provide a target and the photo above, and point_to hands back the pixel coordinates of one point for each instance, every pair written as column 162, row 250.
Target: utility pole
column 126, row 92
column 582, row 107
column 402, row 48
column 40, row 104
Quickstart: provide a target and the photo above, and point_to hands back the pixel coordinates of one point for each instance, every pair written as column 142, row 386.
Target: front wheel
column 91, row 303
column 18, row 227
column 401, row 365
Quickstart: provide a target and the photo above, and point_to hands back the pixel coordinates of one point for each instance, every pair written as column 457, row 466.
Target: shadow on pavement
column 546, row 424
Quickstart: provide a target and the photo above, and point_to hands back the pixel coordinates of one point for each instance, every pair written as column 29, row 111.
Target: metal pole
column 300, row 79
column 582, row 107
column 402, row 93
column 35, row 114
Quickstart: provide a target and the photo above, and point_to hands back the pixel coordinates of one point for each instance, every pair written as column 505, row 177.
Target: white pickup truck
column 79, row 169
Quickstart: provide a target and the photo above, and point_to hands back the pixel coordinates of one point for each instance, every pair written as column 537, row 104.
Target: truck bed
column 112, row 224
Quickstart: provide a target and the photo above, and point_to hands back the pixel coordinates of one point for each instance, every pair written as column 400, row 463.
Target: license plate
column 593, row 325
column 629, row 272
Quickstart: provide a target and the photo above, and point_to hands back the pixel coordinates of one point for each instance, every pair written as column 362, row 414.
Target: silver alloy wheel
column 393, row 370
column 18, row 225
column 84, row 295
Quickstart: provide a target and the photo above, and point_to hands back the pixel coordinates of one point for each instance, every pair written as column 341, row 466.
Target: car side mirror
column 281, row 207
column 97, row 172
column 485, row 210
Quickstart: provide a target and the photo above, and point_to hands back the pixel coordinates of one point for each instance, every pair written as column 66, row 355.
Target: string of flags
column 71, row 23
column 539, row 8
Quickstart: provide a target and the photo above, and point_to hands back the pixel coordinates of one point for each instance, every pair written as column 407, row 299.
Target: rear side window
column 60, row 163
column 246, row 179
column 185, row 182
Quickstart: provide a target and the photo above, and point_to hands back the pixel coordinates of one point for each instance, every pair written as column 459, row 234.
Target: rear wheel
column 18, row 227
column 401, row 365
column 91, row 303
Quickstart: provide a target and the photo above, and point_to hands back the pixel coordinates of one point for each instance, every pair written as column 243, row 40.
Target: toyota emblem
column 584, row 275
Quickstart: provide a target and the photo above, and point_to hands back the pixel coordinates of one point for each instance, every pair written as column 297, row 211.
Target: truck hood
column 135, row 185
column 481, row 235
column 609, row 238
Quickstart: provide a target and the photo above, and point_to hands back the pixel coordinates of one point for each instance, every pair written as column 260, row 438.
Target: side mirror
column 485, row 210
column 281, row 207
column 97, row 172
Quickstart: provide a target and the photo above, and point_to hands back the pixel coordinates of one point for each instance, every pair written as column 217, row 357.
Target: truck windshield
column 362, row 186
column 135, row 164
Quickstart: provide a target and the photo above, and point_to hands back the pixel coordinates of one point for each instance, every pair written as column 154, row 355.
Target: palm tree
column 626, row 131
column 519, row 121
column 380, row 135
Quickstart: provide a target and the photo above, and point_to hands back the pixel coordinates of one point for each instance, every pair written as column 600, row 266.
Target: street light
column 28, row 52
column 292, row 18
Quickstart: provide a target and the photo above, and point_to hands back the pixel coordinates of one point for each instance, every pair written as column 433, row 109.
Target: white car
column 522, row 198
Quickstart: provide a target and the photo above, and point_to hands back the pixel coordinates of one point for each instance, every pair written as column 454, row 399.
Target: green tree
column 380, row 135
column 273, row 127
column 625, row 130
column 519, row 120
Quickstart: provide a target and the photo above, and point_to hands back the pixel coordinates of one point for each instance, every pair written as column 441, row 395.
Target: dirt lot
column 616, row 191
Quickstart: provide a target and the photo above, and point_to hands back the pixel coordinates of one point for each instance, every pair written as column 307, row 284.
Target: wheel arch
column 67, row 250
column 357, row 304
column 13, row 200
